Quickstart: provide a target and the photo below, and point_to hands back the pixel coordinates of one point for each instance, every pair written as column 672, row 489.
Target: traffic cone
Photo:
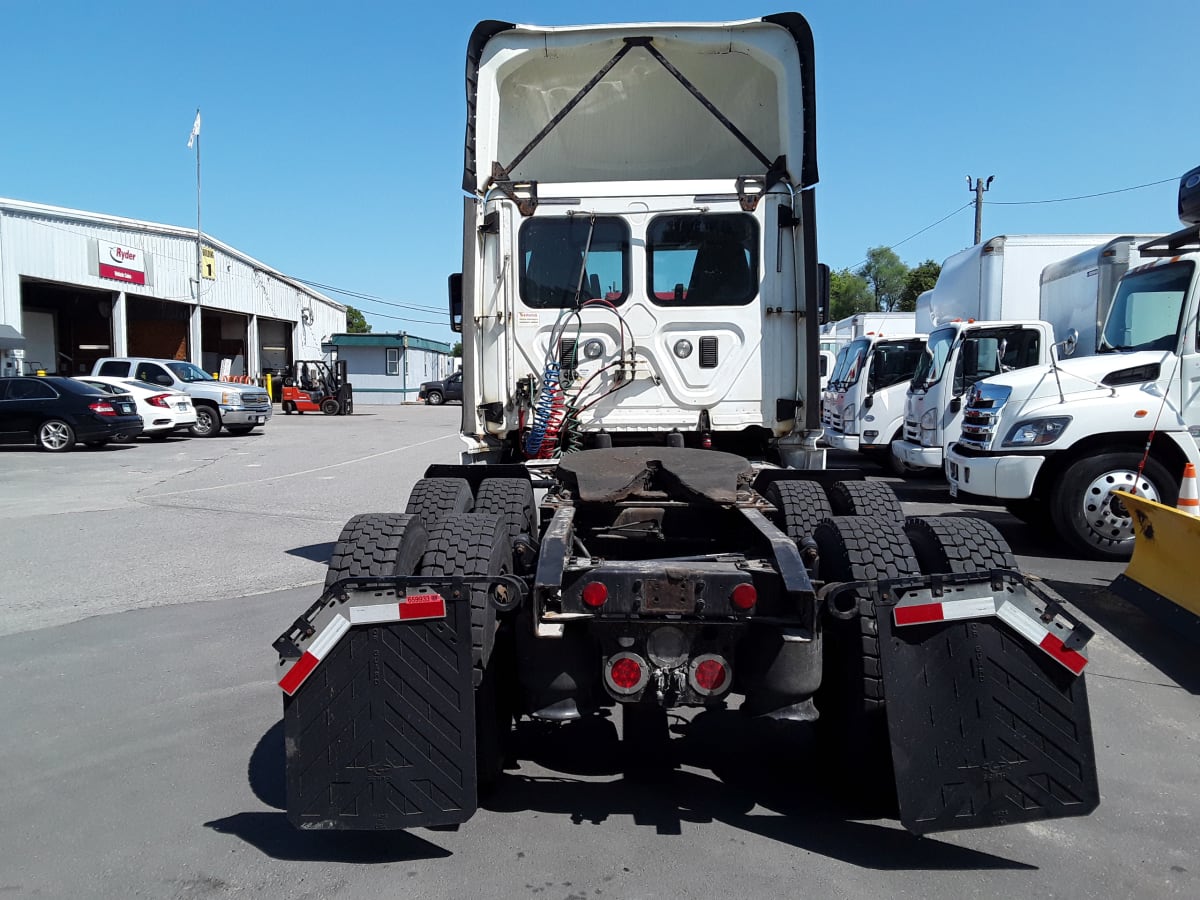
column 1189, row 499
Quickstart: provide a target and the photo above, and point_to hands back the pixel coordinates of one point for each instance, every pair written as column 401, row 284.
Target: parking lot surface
column 141, row 588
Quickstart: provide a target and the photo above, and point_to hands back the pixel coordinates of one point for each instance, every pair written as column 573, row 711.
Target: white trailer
column 999, row 278
column 985, row 309
column 1059, row 442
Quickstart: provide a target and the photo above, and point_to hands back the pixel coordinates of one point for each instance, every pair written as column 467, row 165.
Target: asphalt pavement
column 141, row 747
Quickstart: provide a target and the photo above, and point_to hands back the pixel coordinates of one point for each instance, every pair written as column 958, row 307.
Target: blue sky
column 332, row 134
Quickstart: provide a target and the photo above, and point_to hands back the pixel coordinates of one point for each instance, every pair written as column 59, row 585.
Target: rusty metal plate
column 669, row 595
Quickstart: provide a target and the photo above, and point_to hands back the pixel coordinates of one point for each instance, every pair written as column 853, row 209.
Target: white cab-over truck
column 639, row 283
column 989, row 318
column 1058, row 443
column 863, row 405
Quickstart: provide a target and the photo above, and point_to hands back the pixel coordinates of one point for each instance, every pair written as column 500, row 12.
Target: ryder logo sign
column 120, row 263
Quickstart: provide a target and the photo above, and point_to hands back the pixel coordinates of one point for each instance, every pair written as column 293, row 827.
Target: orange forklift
column 313, row 385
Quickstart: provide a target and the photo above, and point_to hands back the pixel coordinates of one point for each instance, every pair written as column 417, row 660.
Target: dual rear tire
column 852, row 699
column 445, row 532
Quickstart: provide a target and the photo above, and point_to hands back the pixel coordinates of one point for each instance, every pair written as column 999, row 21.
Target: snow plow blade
column 1160, row 578
column 986, row 704
column 379, row 709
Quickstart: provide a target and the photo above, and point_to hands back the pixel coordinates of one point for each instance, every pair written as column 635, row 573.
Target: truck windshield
column 1146, row 311
column 854, row 363
column 702, row 260
column 894, row 362
column 933, row 360
column 553, row 252
column 187, row 372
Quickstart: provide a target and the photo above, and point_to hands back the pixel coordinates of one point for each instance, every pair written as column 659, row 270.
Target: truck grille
column 982, row 415
column 708, row 352
column 912, row 431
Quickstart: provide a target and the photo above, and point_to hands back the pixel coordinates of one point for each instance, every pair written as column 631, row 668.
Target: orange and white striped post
column 1189, row 499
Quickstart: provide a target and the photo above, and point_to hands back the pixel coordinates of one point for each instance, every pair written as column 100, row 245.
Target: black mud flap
column 985, row 728
column 381, row 735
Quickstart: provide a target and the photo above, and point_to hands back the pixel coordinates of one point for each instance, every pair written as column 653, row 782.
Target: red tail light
column 744, row 596
column 160, row 400
column 595, row 594
column 101, row 408
column 626, row 673
column 709, row 674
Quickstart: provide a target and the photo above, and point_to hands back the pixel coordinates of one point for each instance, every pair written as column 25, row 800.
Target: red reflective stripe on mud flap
column 919, row 613
column 295, row 676
column 423, row 606
column 1072, row 659
column 317, row 651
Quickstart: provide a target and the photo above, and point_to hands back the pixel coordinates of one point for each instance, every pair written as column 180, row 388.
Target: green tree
column 356, row 322
column 919, row 280
column 456, row 350
column 886, row 273
column 848, row 294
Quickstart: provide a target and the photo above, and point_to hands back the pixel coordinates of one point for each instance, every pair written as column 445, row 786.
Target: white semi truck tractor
column 1059, row 443
column 639, row 304
column 989, row 318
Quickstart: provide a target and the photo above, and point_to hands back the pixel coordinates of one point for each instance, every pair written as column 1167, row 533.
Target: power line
column 362, row 296
column 916, row 233
column 374, row 299
column 1136, row 187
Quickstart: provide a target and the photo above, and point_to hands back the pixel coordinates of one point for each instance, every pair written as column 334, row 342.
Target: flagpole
column 198, row 237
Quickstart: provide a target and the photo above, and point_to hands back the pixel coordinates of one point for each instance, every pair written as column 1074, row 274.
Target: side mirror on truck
column 1070, row 342
column 456, row 303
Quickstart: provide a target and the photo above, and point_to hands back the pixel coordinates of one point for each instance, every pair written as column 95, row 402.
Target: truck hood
column 1148, row 370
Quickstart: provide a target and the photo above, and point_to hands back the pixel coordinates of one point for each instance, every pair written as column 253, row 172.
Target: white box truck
column 1076, row 292
column 862, row 408
column 1058, row 443
column 985, row 307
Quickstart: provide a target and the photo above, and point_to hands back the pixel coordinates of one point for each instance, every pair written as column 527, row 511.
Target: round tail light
column 744, row 596
column 595, row 594
column 626, row 673
column 709, row 675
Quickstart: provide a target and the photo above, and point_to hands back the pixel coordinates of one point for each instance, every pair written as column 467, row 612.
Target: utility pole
column 978, row 190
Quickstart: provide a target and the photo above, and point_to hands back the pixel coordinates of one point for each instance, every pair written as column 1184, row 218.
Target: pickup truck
column 435, row 393
column 237, row 407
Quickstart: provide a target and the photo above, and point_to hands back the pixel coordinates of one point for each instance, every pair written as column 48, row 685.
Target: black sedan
column 56, row 413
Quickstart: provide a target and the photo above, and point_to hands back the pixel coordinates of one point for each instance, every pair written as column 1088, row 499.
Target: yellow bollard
column 269, row 394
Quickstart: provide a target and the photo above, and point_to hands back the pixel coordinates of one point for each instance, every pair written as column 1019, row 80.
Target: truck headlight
column 929, row 420
column 231, row 398
column 1037, row 432
column 847, row 413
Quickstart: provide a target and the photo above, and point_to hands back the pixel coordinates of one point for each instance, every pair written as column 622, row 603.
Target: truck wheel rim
column 1107, row 517
column 54, row 435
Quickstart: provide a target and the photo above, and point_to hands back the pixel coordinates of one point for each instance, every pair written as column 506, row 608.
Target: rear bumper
column 108, row 427
column 917, row 455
